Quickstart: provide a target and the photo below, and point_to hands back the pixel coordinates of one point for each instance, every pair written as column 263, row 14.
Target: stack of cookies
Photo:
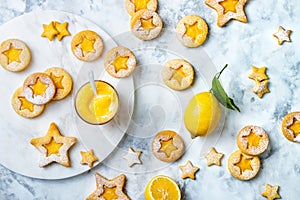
column 244, row 164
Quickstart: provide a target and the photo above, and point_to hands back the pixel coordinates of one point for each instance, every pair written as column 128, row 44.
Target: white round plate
column 16, row 152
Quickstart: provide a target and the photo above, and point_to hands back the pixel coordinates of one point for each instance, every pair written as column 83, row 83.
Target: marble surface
column 241, row 46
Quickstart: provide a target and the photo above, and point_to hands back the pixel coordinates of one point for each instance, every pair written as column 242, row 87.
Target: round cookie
column 62, row 81
column 38, row 88
column 146, row 24
column 242, row 166
column 167, row 146
column 252, row 140
column 192, row 30
column 87, row 45
column 133, row 6
column 178, row 74
column 23, row 107
column 119, row 62
column 291, row 126
column 15, row 55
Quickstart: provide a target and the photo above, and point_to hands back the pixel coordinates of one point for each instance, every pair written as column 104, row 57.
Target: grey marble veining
column 241, row 46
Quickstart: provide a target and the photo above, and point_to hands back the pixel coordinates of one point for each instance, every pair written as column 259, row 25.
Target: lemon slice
column 162, row 187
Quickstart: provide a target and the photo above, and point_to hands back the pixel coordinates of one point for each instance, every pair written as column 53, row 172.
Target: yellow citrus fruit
column 162, row 188
column 202, row 114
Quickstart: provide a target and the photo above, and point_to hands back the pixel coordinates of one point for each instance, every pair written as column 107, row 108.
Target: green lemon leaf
column 219, row 92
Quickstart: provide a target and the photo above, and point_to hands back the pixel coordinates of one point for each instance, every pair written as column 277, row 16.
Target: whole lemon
column 202, row 114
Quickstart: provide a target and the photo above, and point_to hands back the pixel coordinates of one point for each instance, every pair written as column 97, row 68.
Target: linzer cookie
column 228, row 10
column 146, row 24
column 133, row 6
column 62, row 81
column 53, row 147
column 38, row 88
column 291, row 126
column 119, row 62
column 167, row 146
column 87, row 45
column 192, row 31
column 178, row 74
column 15, row 55
column 252, row 140
column 242, row 166
column 23, row 107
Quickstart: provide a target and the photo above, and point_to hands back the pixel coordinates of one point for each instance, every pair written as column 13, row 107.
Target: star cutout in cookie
column 271, row 192
column 62, row 30
column 57, row 81
column 213, row 157
column 49, row 31
column 54, row 147
column 88, row 158
column 188, row 170
column 258, row 74
column 260, row 88
column 38, row 88
column 109, row 189
column 25, row 104
column 282, row 35
column 192, row 30
column 133, row 157
column 13, row 54
column 228, row 10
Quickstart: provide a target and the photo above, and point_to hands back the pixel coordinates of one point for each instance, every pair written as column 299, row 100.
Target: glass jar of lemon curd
column 97, row 109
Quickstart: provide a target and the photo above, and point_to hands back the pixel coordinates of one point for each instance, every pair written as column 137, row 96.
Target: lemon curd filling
column 12, row 54
column 179, row 74
column 295, row 127
column 140, row 4
column 167, row 147
column 253, row 139
column 109, row 193
column 87, row 45
column 39, row 88
column 244, row 164
column 120, row 63
column 192, row 31
column 229, row 5
column 52, row 147
column 147, row 24
column 25, row 104
column 57, row 81
column 96, row 109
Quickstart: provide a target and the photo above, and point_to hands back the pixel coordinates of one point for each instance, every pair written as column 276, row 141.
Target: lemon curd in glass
column 97, row 109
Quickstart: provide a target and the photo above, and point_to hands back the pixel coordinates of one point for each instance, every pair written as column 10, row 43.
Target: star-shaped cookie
column 271, row 192
column 228, row 10
column 132, row 157
column 213, row 157
column 49, row 31
column 282, row 35
column 88, row 158
column 62, row 30
column 258, row 74
column 260, row 88
column 53, row 147
column 109, row 189
column 188, row 170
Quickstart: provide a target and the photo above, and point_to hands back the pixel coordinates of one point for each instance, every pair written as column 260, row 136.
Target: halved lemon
column 162, row 188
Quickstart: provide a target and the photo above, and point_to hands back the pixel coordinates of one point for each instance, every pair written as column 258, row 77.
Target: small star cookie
column 62, row 29
column 133, row 157
column 109, row 189
column 49, row 31
column 53, row 147
column 228, row 10
column 258, row 74
column 260, row 88
column 213, row 157
column 282, row 35
column 88, row 158
column 188, row 170
column 271, row 192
